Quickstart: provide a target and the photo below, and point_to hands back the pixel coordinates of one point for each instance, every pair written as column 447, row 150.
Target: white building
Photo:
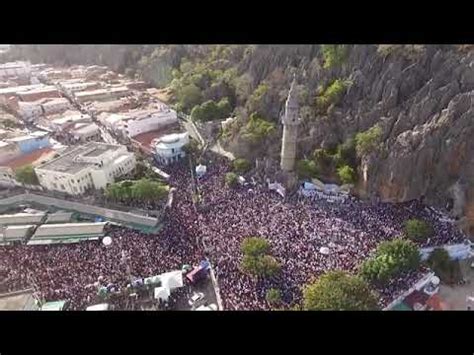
column 56, row 105
column 89, row 166
column 15, row 69
column 169, row 148
column 143, row 121
column 86, row 132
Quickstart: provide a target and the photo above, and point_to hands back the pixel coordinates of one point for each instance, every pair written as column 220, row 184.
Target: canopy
column 53, row 306
column 173, row 279
column 152, row 280
column 324, row 250
column 98, row 307
column 162, row 293
column 201, row 170
column 107, row 241
column 241, row 180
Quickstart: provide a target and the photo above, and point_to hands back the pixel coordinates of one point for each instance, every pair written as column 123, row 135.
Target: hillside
column 416, row 99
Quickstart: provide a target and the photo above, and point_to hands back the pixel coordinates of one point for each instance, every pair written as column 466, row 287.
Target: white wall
column 151, row 123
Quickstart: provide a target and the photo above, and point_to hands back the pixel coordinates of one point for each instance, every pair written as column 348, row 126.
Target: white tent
column 172, row 280
column 201, row 170
column 324, row 250
column 278, row 188
column 162, row 293
column 98, row 307
column 152, row 280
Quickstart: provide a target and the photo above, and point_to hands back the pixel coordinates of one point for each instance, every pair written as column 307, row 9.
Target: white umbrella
column 324, row 250
column 107, row 241
column 435, row 280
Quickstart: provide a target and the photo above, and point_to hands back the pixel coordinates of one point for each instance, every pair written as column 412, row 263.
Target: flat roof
column 101, row 91
column 100, row 149
column 66, row 163
column 18, row 301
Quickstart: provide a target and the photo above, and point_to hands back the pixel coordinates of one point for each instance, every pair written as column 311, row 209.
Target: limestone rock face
column 425, row 105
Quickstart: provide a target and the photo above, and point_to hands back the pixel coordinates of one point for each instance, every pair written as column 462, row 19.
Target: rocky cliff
column 423, row 99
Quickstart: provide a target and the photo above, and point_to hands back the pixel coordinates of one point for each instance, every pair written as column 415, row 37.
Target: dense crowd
column 296, row 228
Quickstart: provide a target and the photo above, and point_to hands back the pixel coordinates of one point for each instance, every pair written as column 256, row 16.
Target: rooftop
column 67, row 163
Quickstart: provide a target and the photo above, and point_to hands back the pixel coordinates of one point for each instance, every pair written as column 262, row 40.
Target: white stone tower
column 291, row 121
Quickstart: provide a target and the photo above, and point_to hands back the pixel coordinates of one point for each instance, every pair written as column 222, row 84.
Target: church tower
column 291, row 121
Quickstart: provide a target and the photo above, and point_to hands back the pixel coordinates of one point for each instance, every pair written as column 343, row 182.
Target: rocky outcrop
column 425, row 105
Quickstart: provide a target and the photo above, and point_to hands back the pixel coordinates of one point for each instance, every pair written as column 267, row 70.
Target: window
column 62, row 187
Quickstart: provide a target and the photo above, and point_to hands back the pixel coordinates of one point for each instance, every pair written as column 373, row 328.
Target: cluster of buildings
column 72, row 120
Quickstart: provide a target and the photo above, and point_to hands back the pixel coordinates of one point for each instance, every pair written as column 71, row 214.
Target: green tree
column 26, row 175
column 368, row 141
column 263, row 266
column 256, row 260
column 440, row 262
column 148, row 190
column 338, row 290
column 224, row 108
column 306, row 169
column 257, row 129
column 241, row 165
column 333, row 55
column 231, row 179
column 417, row 229
column 346, row 154
column 189, row 96
column 331, row 95
column 255, row 246
column 323, row 159
column 273, row 296
column 346, row 174
column 390, row 259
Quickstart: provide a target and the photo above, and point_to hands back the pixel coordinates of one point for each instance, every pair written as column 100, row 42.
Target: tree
column 255, row 246
column 333, row 55
column 148, row 190
column 368, row 141
column 346, row 174
column 256, row 260
column 440, row 262
column 338, row 290
column 390, row 259
column 231, row 179
column 273, row 296
column 241, row 165
column 306, row 169
column 417, row 229
column 257, row 129
column 224, row 108
column 189, row 96
column 331, row 95
column 264, row 266
column 26, row 175
column 346, row 153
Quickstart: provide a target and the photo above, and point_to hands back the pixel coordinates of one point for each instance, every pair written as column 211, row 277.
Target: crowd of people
column 296, row 228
